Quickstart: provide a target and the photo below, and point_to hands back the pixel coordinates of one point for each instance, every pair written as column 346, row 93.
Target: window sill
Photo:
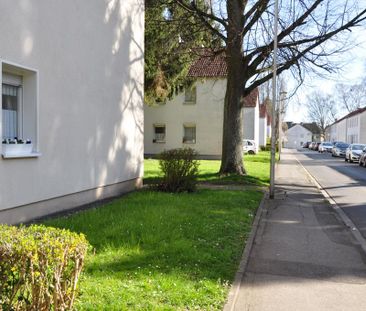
column 21, row 155
column 189, row 142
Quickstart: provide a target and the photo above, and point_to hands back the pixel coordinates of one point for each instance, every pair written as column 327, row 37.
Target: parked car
column 316, row 146
column 353, row 152
column 306, row 144
column 325, row 146
column 249, row 146
column 311, row 145
column 339, row 150
column 362, row 160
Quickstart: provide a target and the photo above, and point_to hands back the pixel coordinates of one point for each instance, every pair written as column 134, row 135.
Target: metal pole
column 274, row 101
column 280, row 111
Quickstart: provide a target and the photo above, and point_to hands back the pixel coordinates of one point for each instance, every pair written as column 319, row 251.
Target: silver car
column 353, row 152
column 325, row 146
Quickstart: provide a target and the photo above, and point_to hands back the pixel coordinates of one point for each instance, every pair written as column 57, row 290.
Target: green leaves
column 39, row 267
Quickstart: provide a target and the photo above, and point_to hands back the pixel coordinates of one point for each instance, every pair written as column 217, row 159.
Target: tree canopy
column 310, row 32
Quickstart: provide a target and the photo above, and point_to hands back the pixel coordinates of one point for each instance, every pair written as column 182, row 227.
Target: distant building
column 194, row 117
column 350, row 129
column 299, row 133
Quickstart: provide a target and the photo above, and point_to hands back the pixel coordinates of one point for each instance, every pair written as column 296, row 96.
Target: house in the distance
column 194, row 117
column 350, row 129
column 72, row 87
column 299, row 133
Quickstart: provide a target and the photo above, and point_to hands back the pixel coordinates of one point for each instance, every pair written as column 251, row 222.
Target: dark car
column 306, row 144
column 353, row 152
column 339, row 150
column 362, row 160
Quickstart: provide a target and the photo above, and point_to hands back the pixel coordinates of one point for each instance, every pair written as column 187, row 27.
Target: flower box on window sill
column 24, row 150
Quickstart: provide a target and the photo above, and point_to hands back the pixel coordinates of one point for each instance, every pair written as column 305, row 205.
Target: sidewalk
column 303, row 256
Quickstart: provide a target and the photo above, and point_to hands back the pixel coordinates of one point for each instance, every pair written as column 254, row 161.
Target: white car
column 325, row 147
column 249, row 146
column 353, row 152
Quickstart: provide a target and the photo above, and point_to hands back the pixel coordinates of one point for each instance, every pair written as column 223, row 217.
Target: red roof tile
column 209, row 66
column 351, row 114
column 263, row 111
column 251, row 99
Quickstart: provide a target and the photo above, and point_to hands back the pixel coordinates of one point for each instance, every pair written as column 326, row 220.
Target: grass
column 257, row 167
column 161, row 251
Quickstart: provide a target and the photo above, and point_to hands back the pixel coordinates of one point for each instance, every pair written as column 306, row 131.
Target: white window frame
column 189, row 141
column 30, row 80
column 192, row 98
column 157, row 140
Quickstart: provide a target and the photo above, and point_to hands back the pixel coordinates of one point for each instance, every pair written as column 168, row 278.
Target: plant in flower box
column 16, row 147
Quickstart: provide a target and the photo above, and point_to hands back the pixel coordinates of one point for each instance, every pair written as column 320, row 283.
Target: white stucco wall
column 262, row 131
column 206, row 114
column 341, row 131
column 296, row 136
column 363, row 127
column 251, row 123
column 89, row 56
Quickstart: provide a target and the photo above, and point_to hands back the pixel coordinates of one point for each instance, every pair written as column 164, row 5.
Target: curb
column 342, row 215
column 234, row 290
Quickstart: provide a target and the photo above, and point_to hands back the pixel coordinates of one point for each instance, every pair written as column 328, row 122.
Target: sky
column 353, row 71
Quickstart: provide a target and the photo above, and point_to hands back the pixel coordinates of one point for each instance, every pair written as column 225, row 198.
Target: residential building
column 350, row 129
column 72, row 85
column 264, row 125
column 194, row 117
column 296, row 135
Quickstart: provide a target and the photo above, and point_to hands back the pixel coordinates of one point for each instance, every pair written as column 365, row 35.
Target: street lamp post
column 280, row 111
column 274, row 97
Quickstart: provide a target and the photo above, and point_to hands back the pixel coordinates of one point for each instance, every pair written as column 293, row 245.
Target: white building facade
column 350, row 129
column 194, row 117
column 296, row 136
column 72, row 86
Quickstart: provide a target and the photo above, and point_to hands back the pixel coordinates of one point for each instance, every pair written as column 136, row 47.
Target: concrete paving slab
column 303, row 256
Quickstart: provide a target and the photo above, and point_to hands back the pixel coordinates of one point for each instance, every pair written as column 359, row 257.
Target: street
column 345, row 183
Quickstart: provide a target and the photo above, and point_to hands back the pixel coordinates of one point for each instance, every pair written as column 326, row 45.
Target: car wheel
column 359, row 162
column 251, row 152
column 345, row 159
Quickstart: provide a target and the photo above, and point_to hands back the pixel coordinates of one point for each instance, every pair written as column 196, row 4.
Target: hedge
column 39, row 267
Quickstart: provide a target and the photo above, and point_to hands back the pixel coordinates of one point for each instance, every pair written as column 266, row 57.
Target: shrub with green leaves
column 39, row 267
column 180, row 170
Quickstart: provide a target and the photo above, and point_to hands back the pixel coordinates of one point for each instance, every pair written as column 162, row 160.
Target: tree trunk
column 232, row 140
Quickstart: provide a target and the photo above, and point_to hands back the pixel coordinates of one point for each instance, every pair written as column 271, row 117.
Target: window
column 19, row 104
column 11, row 111
column 190, row 96
column 159, row 133
column 189, row 134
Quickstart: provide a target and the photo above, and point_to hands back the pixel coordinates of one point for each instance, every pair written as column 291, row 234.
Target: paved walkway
column 303, row 256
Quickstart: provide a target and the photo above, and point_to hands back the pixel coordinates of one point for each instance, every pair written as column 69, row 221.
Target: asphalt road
column 345, row 183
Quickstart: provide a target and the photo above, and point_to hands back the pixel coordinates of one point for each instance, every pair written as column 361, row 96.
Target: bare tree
column 321, row 110
column 351, row 97
column 245, row 29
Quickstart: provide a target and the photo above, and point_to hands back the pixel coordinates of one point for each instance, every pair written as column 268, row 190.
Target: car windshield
column 358, row 147
column 342, row 145
column 327, row 144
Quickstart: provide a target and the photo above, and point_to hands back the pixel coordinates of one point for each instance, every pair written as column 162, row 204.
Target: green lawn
column 161, row 251
column 257, row 167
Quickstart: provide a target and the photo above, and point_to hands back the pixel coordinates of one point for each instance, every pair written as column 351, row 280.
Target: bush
column 39, row 267
column 180, row 169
